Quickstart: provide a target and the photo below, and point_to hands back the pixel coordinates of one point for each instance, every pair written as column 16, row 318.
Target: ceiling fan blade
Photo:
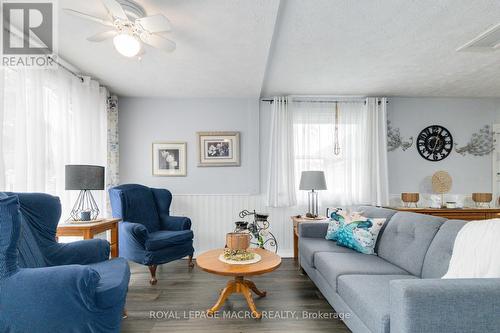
column 158, row 42
column 115, row 9
column 88, row 17
column 103, row 36
column 155, row 23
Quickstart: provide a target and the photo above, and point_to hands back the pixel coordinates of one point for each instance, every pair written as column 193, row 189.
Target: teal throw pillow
column 360, row 234
column 336, row 221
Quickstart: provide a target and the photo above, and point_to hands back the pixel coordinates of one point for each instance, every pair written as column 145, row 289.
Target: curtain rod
column 67, row 69
column 270, row 101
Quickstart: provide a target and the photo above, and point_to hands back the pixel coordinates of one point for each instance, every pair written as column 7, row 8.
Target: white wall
column 409, row 172
column 143, row 121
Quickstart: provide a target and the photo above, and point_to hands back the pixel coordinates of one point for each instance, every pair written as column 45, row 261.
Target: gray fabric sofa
column 400, row 290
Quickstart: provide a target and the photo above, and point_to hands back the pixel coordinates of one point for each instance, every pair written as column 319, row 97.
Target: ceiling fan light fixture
column 127, row 45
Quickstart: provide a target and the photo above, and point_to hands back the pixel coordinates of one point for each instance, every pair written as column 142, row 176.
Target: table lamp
column 312, row 181
column 84, row 178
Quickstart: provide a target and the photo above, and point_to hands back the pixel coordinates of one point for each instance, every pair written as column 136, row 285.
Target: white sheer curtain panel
column 281, row 180
column 51, row 119
column 377, row 140
column 358, row 175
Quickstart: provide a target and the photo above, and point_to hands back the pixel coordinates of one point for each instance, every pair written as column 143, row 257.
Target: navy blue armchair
column 46, row 286
column 148, row 235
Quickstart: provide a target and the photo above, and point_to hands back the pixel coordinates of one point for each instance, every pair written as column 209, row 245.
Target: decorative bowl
column 482, row 198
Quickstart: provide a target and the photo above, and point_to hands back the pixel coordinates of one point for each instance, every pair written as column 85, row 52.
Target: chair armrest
column 136, row 230
column 35, row 299
column 445, row 305
column 174, row 223
column 313, row 229
column 81, row 252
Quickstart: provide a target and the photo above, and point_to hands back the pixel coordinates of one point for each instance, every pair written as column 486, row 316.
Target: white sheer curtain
column 377, row 141
column 358, row 175
column 281, row 182
column 50, row 119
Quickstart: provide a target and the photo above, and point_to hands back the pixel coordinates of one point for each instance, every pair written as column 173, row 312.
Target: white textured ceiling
column 383, row 47
column 341, row 47
column 222, row 49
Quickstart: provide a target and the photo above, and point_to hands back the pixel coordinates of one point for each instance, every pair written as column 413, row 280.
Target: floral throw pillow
column 360, row 234
column 337, row 219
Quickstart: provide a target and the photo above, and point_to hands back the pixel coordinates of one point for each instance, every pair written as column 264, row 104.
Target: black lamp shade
column 84, row 177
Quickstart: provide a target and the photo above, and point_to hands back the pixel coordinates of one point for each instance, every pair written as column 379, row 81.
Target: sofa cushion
column 309, row 246
column 140, row 207
column 113, row 285
column 368, row 297
column 161, row 239
column 376, row 212
column 333, row 265
column 406, row 239
column 438, row 256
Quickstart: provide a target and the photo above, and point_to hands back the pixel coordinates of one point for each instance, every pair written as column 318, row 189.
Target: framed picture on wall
column 218, row 148
column 169, row 159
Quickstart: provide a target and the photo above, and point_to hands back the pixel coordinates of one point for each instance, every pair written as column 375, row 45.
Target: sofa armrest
column 445, row 305
column 313, row 229
column 35, row 299
column 77, row 253
column 136, row 231
column 175, row 223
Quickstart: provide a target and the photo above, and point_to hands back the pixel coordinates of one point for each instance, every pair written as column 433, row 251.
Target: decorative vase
column 238, row 240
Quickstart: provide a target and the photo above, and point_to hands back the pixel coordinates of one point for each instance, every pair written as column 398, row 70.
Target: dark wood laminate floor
column 182, row 296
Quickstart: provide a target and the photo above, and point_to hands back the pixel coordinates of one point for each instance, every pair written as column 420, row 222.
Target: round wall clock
column 434, row 143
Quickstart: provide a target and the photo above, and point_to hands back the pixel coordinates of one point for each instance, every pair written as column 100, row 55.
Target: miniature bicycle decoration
column 259, row 229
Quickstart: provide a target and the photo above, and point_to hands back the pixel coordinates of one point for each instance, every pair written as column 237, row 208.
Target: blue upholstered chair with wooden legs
column 148, row 235
column 47, row 286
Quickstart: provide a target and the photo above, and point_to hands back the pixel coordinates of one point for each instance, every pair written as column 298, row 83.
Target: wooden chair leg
column 190, row 262
column 152, row 270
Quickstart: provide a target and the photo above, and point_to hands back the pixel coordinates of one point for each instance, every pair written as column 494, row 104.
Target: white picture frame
column 169, row 159
column 216, row 149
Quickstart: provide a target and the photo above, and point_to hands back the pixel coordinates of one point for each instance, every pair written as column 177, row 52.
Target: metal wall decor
column 394, row 139
column 258, row 229
column 480, row 144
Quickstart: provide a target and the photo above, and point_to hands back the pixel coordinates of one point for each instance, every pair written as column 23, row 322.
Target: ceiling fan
column 130, row 27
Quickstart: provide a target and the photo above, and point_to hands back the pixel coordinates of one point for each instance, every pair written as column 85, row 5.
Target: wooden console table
column 296, row 221
column 468, row 214
column 90, row 229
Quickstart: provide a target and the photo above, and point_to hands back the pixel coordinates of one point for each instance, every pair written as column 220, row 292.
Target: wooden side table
column 296, row 221
column 90, row 229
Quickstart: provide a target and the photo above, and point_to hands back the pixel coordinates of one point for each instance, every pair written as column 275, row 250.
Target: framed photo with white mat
column 218, row 149
column 169, row 159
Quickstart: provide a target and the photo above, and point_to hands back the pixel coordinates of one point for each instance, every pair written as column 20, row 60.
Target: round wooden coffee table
column 209, row 262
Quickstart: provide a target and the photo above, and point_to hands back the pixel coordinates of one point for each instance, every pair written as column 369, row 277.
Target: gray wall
column 409, row 172
column 143, row 121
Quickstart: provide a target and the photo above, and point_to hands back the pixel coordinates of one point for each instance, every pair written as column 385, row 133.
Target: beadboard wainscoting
column 213, row 215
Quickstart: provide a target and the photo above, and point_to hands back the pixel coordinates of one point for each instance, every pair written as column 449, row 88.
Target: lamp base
column 312, row 203
column 85, row 208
